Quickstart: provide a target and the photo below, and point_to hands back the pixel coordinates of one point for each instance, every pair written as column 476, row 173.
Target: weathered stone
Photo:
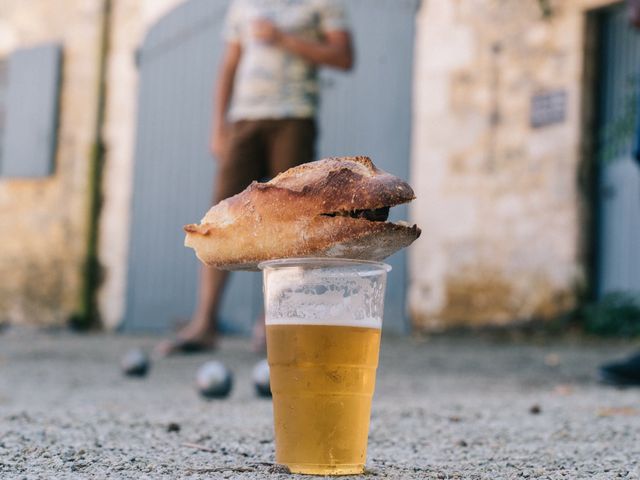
column 43, row 221
column 497, row 199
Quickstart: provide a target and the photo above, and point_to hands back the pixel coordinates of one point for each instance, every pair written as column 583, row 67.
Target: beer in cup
column 323, row 321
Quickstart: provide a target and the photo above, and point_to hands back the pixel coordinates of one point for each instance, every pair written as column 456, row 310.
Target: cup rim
column 320, row 262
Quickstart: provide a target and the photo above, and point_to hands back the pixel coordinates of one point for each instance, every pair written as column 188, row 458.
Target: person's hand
column 266, row 31
column 219, row 142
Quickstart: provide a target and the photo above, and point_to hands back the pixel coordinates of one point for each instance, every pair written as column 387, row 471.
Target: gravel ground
column 468, row 408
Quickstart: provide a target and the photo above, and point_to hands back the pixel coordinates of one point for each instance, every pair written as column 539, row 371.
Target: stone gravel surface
column 445, row 408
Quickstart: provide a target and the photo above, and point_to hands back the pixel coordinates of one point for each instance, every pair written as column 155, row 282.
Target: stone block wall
column 498, row 200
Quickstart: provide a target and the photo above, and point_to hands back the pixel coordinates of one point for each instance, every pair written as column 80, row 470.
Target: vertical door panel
column 368, row 112
column 174, row 172
column 619, row 190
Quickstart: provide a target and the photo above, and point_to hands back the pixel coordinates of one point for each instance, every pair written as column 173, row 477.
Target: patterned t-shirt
column 270, row 82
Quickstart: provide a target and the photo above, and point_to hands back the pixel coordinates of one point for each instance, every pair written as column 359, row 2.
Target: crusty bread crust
column 290, row 217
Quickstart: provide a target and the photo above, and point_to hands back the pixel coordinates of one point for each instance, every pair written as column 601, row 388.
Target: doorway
column 617, row 189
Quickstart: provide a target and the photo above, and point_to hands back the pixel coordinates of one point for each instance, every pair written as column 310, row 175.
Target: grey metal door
column 365, row 112
column 619, row 182
column 174, row 171
column 368, row 112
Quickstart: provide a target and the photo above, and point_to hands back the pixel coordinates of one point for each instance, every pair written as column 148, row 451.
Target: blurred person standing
column 265, row 104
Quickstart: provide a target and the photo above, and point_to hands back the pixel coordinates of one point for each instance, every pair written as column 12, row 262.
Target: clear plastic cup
column 323, row 322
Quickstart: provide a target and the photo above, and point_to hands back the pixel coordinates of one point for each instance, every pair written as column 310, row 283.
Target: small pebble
column 552, row 360
column 535, row 409
column 173, row 427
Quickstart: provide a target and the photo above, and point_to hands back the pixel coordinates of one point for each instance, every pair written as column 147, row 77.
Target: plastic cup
column 323, row 322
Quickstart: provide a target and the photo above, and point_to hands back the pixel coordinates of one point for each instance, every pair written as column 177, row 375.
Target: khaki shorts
column 260, row 149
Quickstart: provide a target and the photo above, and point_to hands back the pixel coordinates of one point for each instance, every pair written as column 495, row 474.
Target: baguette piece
column 336, row 207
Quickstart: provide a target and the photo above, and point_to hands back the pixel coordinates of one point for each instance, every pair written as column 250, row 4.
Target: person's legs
column 202, row 330
column 245, row 162
column 290, row 142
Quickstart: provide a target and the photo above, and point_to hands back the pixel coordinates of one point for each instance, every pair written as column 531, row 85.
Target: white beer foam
column 297, row 296
column 366, row 323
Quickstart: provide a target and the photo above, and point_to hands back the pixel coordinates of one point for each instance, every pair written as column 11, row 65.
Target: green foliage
column 616, row 314
column 87, row 315
column 616, row 134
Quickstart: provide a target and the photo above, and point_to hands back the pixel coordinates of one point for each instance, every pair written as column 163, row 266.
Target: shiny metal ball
column 135, row 363
column 261, row 378
column 214, row 380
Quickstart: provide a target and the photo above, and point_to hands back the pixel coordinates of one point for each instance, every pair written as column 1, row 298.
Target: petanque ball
column 261, row 378
column 135, row 363
column 214, row 380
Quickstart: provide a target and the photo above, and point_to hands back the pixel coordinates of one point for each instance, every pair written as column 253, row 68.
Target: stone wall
column 498, row 200
column 43, row 221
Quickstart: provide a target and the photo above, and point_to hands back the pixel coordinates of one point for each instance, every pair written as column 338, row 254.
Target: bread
column 334, row 207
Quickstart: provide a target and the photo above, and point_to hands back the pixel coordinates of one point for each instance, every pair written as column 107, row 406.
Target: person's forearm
column 222, row 97
column 224, row 85
column 317, row 52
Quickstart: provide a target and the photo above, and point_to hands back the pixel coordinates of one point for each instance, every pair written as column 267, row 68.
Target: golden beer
column 322, row 380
